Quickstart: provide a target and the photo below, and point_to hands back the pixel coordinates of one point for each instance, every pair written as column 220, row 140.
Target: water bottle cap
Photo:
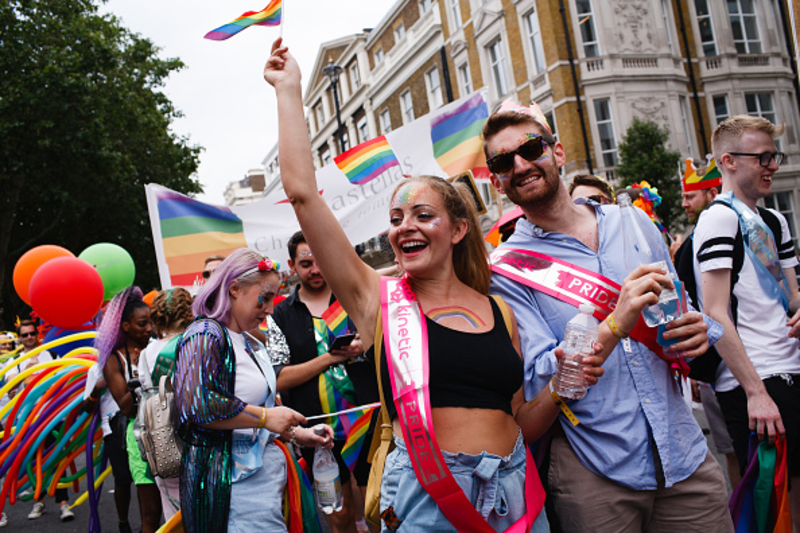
column 586, row 309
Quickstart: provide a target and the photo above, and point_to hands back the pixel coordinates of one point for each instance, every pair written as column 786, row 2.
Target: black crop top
column 474, row 370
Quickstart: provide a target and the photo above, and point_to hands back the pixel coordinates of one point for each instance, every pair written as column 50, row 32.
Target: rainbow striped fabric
column 336, row 319
column 356, row 437
column 367, row 161
column 269, row 16
column 456, row 137
column 192, row 231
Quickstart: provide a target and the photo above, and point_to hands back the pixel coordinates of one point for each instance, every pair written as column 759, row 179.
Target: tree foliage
column 83, row 126
column 645, row 156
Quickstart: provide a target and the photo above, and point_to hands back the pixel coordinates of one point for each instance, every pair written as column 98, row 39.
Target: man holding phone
column 313, row 364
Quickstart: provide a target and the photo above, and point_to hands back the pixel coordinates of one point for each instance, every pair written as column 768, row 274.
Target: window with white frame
column 378, row 56
column 761, row 105
column 706, row 28
column 386, row 121
column 605, row 129
column 455, row 9
column 320, row 116
column 666, row 20
column 464, row 79
column 687, row 132
column 782, row 202
column 424, row 5
column 345, row 139
column 591, row 48
column 535, row 39
column 551, row 121
column 434, row 88
column 399, row 32
column 744, row 25
column 721, row 111
column 355, row 77
column 363, row 130
column 406, row 107
column 497, row 63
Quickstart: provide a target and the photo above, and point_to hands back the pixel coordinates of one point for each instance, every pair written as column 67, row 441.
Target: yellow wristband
column 262, row 423
column 563, row 406
column 614, row 327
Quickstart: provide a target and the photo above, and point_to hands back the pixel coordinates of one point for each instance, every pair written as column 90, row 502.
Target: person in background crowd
column 592, row 187
column 750, row 292
column 170, row 314
column 232, row 473
column 637, row 460
column 123, row 333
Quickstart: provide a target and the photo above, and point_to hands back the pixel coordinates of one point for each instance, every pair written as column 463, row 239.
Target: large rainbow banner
column 357, row 187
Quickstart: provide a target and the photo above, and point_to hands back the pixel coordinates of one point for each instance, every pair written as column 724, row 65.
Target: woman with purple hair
column 124, row 331
column 232, row 473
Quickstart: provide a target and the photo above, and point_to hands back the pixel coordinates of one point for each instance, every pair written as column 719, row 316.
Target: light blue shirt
column 637, row 400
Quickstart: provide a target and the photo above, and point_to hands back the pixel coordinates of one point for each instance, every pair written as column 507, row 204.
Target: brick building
column 591, row 65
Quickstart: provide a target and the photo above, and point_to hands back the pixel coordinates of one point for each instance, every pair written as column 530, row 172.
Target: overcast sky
column 228, row 107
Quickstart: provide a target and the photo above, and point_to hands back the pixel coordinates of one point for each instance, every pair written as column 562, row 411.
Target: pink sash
column 406, row 344
column 574, row 285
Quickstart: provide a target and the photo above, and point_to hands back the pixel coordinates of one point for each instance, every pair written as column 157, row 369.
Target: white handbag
column 162, row 446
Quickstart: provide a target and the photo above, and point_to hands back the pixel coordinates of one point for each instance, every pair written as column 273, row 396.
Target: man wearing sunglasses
column 636, row 460
column 758, row 386
column 592, row 187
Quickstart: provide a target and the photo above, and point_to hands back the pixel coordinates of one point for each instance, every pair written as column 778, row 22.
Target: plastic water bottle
column 580, row 334
column 641, row 247
column 326, row 479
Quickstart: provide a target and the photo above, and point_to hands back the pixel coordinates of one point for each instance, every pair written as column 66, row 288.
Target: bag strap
column 385, row 432
column 506, row 312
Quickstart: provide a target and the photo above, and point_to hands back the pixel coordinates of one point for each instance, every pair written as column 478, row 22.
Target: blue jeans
column 257, row 501
column 494, row 485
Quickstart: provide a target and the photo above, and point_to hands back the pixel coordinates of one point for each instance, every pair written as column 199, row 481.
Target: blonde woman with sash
column 455, row 373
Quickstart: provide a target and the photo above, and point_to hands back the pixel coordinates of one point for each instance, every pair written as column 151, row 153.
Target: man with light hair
column 744, row 263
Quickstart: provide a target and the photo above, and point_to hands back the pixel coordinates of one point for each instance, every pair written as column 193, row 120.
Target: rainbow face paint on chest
column 441, row 314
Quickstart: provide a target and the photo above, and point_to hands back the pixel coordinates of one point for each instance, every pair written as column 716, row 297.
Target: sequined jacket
column 204, row 386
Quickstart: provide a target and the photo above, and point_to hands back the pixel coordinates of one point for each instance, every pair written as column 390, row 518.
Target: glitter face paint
column 267, row 293
column 435, row 223
column 407, row 194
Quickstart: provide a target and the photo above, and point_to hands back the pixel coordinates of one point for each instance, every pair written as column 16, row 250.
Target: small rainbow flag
column 192, row 231
column 356, row 437
column 336, row 319
column 269, row 16
column 456, row 137
column 367, row 161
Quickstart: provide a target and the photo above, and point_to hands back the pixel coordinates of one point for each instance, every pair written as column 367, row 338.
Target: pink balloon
column 66, row 292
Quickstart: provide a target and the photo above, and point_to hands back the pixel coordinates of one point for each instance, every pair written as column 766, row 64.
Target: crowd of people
column 461, row 349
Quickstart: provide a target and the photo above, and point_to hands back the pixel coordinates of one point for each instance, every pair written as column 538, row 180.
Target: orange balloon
column 30, row 262
column 149, row 297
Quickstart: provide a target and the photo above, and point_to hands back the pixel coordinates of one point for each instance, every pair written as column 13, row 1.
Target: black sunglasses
column 206, row 274
column 529, row 151
column 765, row 158
column 24, row 335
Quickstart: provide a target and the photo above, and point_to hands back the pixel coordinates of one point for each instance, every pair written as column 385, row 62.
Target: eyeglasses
column 529, row 151
column 207, row 274
column 31, row 334
column 600, row 199
column 765, row 158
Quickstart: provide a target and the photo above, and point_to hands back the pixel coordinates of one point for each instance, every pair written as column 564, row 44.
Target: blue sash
column 762, row 249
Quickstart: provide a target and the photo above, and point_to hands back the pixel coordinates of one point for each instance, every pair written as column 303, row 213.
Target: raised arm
column 355, row 284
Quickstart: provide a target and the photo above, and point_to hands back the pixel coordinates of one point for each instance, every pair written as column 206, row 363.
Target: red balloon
column 28, row 264
column 66, row 291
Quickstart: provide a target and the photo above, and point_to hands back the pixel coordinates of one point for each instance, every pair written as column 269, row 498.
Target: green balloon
column 114, row 264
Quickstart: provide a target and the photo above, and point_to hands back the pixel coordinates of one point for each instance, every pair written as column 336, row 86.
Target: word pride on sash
column 559, row 279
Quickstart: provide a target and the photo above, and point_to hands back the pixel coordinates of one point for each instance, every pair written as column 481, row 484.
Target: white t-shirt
column 108, row 407
column 761, row 321
column 253, row 386
column 16, row 367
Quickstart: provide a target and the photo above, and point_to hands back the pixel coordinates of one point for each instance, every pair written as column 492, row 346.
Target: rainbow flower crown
column 265, row 265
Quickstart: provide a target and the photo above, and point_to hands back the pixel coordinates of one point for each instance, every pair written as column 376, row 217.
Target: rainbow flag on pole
column 355, row 437
column 367, row 161
column 269, row 16
column 456, row 137
column 192, row 231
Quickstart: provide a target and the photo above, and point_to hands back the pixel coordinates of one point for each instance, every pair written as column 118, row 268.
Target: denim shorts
column 494, row 485
column 257, row 501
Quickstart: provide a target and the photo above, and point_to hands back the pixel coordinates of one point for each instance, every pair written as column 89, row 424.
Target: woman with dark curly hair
column 170, row 314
